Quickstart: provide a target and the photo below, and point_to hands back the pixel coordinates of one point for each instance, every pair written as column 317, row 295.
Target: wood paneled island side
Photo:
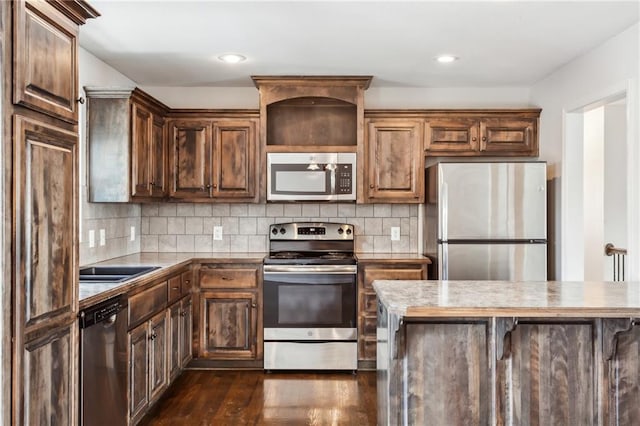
column 508, row 353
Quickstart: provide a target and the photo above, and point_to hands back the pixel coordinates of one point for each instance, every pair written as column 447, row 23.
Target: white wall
column 115, row 219
column 608, row 69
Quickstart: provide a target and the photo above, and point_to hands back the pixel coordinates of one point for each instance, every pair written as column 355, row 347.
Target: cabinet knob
column 187, row 281
column 215, row 186
column 484, row 138
column 152, row 183
column 175, row 288
column 371, row 186
column 183, row 313
column 208, row 186
column 80, row 100
column 253, row 305
column 474, row 139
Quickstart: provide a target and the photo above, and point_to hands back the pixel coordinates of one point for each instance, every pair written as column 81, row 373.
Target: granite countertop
column 95, row 293
column 410, row 257
column 508, row 298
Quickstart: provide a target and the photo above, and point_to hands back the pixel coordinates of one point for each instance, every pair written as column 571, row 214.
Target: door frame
column 572, row 221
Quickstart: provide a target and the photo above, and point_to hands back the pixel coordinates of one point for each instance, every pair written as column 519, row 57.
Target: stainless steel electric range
column 309, row 297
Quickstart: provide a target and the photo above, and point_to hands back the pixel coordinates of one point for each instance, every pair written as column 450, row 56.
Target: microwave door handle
column 333, row 180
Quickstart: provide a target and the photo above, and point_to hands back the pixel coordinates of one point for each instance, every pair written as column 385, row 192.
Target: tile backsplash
column 187, row 227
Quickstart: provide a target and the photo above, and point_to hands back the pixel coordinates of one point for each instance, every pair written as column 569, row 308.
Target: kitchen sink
column 112, row 274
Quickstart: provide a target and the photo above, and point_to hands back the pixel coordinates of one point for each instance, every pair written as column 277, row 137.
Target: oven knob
column 283, row 231
column 274, row 231
column 340, row 231
column 348, row 231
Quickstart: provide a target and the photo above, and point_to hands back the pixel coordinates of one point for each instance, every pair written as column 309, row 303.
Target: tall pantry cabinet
column 40, row 154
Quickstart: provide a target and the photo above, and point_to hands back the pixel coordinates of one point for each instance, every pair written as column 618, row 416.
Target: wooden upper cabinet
column 158, row 152
column 451, row 135
column 191, row 159
column 234, row 158
column 45, row 58
column 395, row 164
column 482, row 133
column 509, row 135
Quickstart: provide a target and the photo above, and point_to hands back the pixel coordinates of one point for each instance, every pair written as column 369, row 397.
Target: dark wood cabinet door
column 395, row 161
column 514, row 136
column 451, row 136
column 45, row 58
column 141, row 129
column 549, row 375
column 451, row 358
column 229, row 324
column 138, row 343
column 158, row 331
column 46, row 188
column 49, row 369
column 174, row 356
column 158, row 153
column 191, row 159
column 186, row 331
column 624, row 377
column 234, row 153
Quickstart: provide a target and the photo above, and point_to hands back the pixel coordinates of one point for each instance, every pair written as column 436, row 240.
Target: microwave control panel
column 344, row 174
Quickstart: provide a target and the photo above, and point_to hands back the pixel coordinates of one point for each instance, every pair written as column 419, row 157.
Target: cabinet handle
column 226, row 278
column 246, row 328
column 175, row 288
column 80, row 100
column 153, row 336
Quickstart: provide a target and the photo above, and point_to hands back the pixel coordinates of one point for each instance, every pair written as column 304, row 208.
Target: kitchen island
column 496, row 352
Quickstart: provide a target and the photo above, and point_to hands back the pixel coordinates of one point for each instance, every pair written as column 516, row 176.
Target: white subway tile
column 364, row 210
column 293, row 210
column 221, row 246
column 239, row 243
column 382, row 210
column 346, row 210
column 328, row 210
column 388, row 222
column 364, row 244
column 157, row 225
column 193, row 225
column 208, row 223
column 185, row 209
column 262, row 225
column 202, row 209
column 203, row 243
column 149, row 242
column 373, row 226
column 247, row 226
column 150, row 209
column 185, row 243
column 220, row 210
column 256, row 210
column 167, row 243
column 400, row 210
column 167, row 209
column 401, row 246
column 229, row 225
column 175, row 225
column 144, row 225
column 238, row 210
column 275, row 210
column 257, row 243
column 382, row 243
column 310, row 210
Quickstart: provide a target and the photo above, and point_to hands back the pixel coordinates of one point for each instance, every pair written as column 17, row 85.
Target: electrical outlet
column 217, row 233
column 103, row 237
column 395, row 233
column 92, row 238
column 133, row 233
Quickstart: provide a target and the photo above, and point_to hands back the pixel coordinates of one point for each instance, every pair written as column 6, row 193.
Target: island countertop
column 508, row 298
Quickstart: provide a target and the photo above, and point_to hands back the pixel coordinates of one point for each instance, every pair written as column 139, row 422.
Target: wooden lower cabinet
column 147, row 364
column 180, row 332
column 186, row 331
column 367, row 306
column 228, row 326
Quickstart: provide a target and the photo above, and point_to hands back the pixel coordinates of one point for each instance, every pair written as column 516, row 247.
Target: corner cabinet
column 230, row 314
column 213, row 159
column 395, row 160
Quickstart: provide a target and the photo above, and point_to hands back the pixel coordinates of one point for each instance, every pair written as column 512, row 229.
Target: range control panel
column 311, row 231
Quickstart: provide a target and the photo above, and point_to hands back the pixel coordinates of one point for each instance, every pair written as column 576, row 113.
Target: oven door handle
column 305, row 269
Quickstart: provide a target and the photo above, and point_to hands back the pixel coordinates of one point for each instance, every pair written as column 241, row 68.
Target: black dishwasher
column 103, row 363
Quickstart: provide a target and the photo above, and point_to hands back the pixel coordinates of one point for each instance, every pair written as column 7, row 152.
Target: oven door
column 310, row 303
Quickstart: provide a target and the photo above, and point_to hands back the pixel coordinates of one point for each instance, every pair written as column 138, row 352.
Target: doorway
column 598, row 193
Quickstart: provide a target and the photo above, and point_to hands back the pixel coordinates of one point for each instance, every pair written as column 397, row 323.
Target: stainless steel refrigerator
column 487, row 221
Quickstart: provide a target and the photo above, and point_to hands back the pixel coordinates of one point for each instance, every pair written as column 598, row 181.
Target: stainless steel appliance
column 311, row 176
column 487, row 221
column 103, row 361
column 309, row 292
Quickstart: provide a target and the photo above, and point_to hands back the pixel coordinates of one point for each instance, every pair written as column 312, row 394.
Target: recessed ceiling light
column 445, row 59
column 232, row 58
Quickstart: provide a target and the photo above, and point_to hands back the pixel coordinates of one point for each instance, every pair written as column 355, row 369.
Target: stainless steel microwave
column 311, row 176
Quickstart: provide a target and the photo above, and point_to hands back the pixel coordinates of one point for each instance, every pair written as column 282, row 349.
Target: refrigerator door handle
column 444, row 211
column 444, row 268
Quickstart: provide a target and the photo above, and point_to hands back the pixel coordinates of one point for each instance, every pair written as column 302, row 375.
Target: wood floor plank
column 205, row 397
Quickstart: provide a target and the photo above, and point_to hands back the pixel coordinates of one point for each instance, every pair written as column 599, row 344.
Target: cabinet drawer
column 368, row 326
column 147, row 303
column 229, row 278
column 174, row 288
column 372, row 274
column 368, row 303
column 186, row 279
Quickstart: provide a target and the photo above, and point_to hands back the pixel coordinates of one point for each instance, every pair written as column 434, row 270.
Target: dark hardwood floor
column 205, row 397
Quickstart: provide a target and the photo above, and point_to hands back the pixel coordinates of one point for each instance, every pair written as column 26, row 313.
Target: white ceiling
column 500, row 43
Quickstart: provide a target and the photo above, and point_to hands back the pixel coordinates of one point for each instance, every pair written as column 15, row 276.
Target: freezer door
column 492, row 201
column 513, row 262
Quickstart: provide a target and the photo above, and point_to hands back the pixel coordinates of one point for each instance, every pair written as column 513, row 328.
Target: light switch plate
column 103, row 237
column 395, row 233
column 217, row 233
column 133, row 233
column 92, row 238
